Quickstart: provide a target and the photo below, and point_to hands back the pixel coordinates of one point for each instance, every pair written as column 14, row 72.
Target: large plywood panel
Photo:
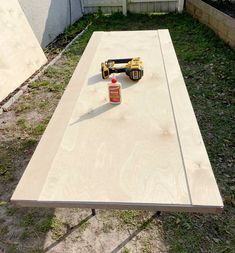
column 20, row 52
column 126, row 156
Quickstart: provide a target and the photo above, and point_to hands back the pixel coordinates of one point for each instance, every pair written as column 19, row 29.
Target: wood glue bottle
column 115, row 96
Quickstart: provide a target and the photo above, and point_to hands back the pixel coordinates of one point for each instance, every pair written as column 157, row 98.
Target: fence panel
column 107, row 6
column 136, row 6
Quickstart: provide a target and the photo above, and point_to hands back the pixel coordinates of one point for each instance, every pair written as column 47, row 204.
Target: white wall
column 49, row 18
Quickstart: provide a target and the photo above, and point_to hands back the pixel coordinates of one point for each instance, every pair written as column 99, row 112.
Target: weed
column 3, row 230
column 22, row 123
column 51, row 72
column 44, row 104
column 11, row 210
column 6, row 175
column 40, row 128
column 9, row 177
column 126, row 250
column 22, row 107
column 56, row 228
column 25, row 234
column 39, row 83
column 146, row 244
column 107, row 227
column 28, row 220
column 27, row 144
column 55, row 87
column 36, row 251
column 128, row 216
column 50, row 222
column 11, row 249
column 3, row 167
column 83, row 227
column 46, row 224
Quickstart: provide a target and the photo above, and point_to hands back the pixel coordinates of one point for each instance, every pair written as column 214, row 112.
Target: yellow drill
column 134, row 68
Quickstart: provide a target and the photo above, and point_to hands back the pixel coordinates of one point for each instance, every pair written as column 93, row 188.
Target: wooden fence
column 136, row 6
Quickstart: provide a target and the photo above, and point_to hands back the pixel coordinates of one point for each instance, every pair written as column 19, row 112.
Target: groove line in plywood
column 176, row 127
column 201, row 179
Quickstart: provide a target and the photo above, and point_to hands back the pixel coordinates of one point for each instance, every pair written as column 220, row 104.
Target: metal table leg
column 93, row 212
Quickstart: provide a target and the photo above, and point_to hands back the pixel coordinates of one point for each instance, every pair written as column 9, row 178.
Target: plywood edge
column 121, row 206
column 18, row 44
column 32, row 181
column 199, row 174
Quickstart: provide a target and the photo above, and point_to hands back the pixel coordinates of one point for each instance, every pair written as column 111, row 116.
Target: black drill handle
column 119, row 61
column 117, row 70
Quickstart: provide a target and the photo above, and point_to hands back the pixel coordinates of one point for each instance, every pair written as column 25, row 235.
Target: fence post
column 124, row 7
column 180, row 5
column 82, row 6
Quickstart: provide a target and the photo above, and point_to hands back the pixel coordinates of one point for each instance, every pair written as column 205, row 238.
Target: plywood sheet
column 20, row 52
column 128, row 156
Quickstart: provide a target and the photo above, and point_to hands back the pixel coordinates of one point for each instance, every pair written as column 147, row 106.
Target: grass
column 128, row 217
column 33, row 130
column 56, row 228
column 208, row 66
column 11, row 210
column 28, row 220
column 126, row 250
column 6, row 174
column 22, row 107
column 40, row 128
column 146, row 244
column 22, row 123
column 44, row 104
column 107, row 227
column 46, row 224
column 83, row 228
column 27, row 144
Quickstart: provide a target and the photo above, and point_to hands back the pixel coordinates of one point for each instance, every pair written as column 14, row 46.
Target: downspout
column 82, row 6
column 70, row 12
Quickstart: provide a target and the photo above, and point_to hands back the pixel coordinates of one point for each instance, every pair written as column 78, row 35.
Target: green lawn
column 208, row 66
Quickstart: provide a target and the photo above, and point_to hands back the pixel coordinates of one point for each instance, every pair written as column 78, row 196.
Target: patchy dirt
column 105, row 233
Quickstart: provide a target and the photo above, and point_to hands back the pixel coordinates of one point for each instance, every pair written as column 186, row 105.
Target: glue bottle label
column 114, row 92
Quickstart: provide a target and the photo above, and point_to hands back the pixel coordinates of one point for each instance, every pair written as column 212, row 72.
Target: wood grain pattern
column 38, row 168
column 202, row 184
column 125, row 156
column 20, row 52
